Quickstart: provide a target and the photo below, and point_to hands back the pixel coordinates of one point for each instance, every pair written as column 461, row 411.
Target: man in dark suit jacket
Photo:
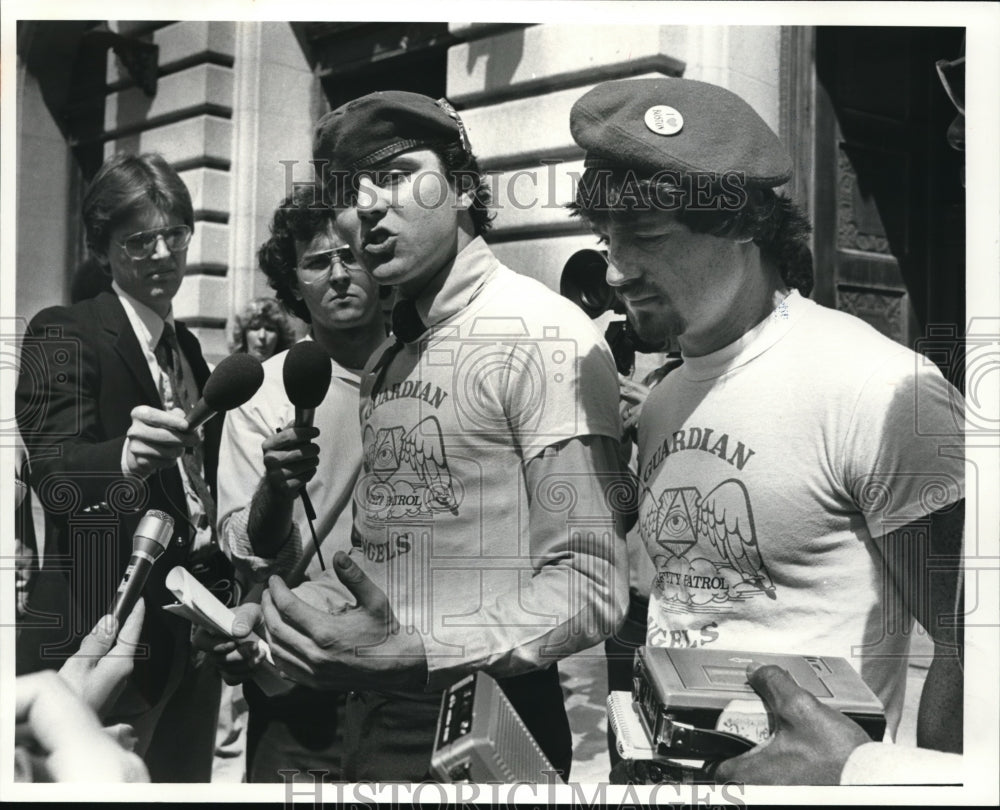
column 101, row 397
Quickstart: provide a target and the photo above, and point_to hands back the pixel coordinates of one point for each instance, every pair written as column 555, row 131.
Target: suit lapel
column 126, row 344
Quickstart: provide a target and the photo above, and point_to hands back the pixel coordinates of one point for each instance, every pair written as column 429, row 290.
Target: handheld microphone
column 306, row 375
column 150, row 540
column 232, row 383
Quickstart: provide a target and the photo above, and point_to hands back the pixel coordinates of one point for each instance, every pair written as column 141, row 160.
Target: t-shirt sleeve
column 904, row 450
column 561, row 384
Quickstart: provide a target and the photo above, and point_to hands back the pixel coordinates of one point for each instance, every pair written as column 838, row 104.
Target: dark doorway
column 353, row 59
column 889, row 199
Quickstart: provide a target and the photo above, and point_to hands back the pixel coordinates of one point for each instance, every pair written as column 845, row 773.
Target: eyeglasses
column 952, row 75
column 142, row 245
column 315, row 268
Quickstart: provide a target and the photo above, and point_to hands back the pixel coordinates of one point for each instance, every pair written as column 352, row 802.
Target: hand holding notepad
column 200, row 606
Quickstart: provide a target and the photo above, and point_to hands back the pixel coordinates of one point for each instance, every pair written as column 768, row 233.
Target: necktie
column 168, row 355
column 407, row 326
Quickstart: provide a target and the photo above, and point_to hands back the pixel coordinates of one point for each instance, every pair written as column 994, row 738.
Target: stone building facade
column 234, row 103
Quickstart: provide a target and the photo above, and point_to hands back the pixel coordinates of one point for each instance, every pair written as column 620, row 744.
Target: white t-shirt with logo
column 507, row 369
column 769, row 472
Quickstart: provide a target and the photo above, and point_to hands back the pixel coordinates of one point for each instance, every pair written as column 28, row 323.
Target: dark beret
column 376, row 127
column 682, row 125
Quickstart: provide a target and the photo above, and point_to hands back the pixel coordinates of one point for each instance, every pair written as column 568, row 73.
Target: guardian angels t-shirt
column 769, row 472
column 507, row 369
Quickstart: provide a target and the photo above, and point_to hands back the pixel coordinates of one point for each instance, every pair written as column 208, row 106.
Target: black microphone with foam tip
column 307, row 374
column 232, row 383
column 150, row 540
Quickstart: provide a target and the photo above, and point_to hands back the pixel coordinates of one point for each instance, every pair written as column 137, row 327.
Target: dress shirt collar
column 147, row 325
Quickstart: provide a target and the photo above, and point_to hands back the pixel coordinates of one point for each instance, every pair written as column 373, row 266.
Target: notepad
column 201, row 607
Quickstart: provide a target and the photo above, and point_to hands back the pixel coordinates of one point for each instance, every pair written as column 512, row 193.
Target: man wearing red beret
column 785, row 469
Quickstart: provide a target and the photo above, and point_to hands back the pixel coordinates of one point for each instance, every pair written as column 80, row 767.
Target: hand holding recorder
column 811, row 741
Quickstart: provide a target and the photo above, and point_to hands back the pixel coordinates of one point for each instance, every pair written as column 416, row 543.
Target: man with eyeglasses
column 101, row 401
column 266, row 461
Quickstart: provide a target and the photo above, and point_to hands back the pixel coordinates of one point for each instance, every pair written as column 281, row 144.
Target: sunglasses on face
column 315, row 268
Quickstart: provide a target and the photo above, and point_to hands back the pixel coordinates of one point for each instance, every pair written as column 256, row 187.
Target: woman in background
column 261, row 329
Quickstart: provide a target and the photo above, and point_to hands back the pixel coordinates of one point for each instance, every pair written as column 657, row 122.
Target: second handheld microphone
column 151, row 538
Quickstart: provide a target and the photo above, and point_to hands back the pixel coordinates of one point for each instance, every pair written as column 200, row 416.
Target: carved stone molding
column 851, row 234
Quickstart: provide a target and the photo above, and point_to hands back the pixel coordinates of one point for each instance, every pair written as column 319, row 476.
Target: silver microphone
column 151, row 538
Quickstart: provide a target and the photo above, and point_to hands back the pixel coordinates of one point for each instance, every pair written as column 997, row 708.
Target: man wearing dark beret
column 484, row 535
column 784, row 467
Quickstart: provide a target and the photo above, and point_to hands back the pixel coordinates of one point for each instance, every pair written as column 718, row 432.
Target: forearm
column 241, row 474
column 939, row 718
column 940, row 721
column 577, row 602
column 577, row 593
column 931, row 582
column 269, row 522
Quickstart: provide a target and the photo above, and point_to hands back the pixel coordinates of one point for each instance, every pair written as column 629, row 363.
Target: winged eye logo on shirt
column 721, row 521
column 421, row 449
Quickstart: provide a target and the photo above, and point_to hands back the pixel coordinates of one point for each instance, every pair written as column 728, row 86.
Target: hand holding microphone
column 306, row 374
column 290, row 460
column 290, row 456
column 157, row 438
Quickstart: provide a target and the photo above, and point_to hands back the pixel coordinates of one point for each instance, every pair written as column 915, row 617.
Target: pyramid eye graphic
column 384, row 457
column 675, row 529
column 383, row 452
column 676, row 523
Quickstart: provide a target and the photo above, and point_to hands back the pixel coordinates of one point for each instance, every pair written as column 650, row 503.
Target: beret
column 376, row 127
column 681, row 125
